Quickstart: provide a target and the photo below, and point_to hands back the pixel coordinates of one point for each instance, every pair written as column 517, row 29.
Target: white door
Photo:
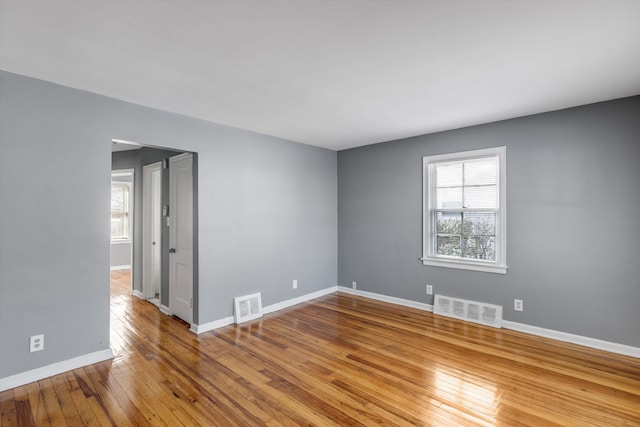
column 181, row 236
column 152, row 231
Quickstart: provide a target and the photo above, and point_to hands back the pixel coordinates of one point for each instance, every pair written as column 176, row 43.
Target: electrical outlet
column 518, row 305
column 354, row 285
column 36, row 343
column 429, row 290
column 295, row 284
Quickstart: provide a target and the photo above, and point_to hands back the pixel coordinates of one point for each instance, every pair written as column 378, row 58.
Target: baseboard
column 298, row 300
column 136, row 293
column 386, row 298
column 611, row 347
column 37, row 374
column 164, row 309
column 210, row 326
column 625, row 350
column 120, row 267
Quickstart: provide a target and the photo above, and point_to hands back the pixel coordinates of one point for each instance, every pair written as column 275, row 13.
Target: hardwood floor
column 338, row 360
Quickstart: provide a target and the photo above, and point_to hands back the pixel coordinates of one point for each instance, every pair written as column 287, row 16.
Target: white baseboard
column 120, row 267
column 386, row 298
column 164, row 309
column 37, row 374
column 298, row 300
column 210, row 326
column 611, row 347
column 625, row 350
column 136, row 293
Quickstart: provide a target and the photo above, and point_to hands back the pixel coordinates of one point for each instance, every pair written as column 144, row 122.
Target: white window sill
column 120, row 242
column 486, row 268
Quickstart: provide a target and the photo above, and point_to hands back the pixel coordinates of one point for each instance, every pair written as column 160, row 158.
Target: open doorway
column 153, row 268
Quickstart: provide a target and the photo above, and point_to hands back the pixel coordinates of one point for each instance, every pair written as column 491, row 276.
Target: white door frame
column 181, row 258
column 152, row 231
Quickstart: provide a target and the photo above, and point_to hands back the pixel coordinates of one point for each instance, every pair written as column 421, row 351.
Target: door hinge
column 191, row 302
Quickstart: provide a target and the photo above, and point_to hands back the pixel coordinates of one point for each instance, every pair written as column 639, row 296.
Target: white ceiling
column 335, row 74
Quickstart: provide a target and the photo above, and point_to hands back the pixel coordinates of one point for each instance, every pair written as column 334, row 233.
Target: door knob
column 172, row 250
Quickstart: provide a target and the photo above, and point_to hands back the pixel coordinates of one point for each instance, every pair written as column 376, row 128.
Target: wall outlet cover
column 518, row 305
column 36, row 343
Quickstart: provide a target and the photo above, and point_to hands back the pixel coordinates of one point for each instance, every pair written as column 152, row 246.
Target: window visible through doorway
column 121, row 207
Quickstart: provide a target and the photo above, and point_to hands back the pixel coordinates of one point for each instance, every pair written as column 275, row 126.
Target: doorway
column 152, row 232
column 156, row 273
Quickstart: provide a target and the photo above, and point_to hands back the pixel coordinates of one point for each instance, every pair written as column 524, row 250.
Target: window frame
column 129, row 203
column 429, row 211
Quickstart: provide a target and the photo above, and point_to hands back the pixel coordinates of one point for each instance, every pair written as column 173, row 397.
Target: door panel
column 152, row 230
column 181, row 236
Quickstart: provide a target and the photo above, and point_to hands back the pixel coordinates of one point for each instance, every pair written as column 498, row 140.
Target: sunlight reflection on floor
column 472, row 392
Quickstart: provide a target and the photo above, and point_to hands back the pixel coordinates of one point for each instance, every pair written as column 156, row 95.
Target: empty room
column 356, row 212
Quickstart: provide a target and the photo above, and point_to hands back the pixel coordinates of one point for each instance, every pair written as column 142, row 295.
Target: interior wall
column 120, row 253
column 266, row 214
column 572, row 220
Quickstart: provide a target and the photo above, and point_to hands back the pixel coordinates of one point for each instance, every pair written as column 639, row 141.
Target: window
column 120, row 212
column 464, row 210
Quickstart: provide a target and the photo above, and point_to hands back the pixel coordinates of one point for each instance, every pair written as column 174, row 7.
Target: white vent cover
column 477, row 312
column 248, row 307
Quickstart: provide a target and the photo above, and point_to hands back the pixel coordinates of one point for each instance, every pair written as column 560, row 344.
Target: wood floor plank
column 110, row 399
column 36, row 403
column 61, row 386
column 53, row 408
column 24, row 416
column 337, row 360
column 8, row 414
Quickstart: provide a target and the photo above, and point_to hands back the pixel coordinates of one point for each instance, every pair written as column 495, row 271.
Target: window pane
column 480, row 247
column 449, row 175
column 450, row 223
column 449, row 198
column 119, row 211
column 117, row 197
column 448, row 245
column 117, row 228
column 480, row 223
column 480, row 172
column 481, row 197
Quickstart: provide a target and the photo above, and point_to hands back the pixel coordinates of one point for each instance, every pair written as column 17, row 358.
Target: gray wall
column 120, row 253
column 266, row 214
column 573, row 203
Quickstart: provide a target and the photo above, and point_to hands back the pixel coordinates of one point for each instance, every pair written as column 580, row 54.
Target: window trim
column 129, row 184
column 428, row 199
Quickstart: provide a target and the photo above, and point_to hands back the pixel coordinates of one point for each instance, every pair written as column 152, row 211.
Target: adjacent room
column 319, row 212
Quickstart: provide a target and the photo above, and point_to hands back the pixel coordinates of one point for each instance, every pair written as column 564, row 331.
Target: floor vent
column 248, row 307
column 477, row 312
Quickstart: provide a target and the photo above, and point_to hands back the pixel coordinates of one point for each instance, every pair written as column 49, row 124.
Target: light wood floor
column 339, row 360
